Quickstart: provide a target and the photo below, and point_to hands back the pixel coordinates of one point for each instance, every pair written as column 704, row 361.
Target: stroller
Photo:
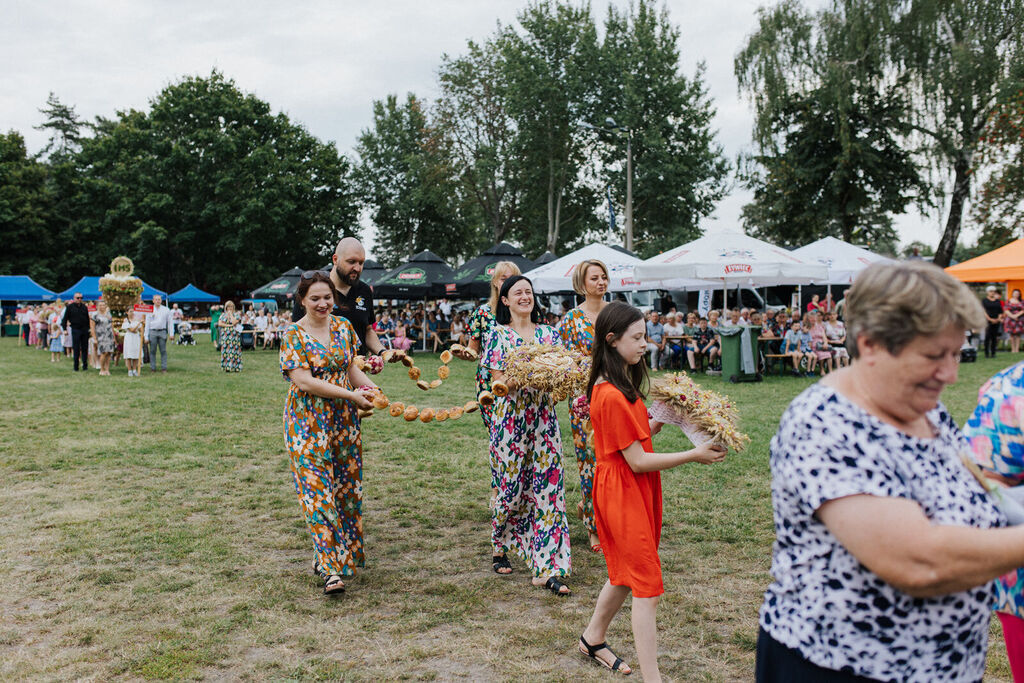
column 185, row 334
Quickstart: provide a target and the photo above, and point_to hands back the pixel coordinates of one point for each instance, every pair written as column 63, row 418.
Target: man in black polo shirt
column 355, row 298
column 77, row 314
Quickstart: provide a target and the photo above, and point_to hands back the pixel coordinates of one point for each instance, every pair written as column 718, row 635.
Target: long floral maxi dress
column 577, row 333
column 323, row 440
column 526, row 446
column 230, row 344
column 480, row 324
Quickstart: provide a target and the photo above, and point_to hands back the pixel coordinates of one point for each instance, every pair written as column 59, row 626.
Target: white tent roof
column 730, row 258
column 556, row 276
column 842, row 259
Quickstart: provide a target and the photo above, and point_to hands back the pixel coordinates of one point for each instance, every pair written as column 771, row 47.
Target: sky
column 322, row 63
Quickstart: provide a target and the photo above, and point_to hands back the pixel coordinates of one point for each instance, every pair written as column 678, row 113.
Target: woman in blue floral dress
column 576, row 331
column 480, row 324
column 321, row 430
column 528, row 517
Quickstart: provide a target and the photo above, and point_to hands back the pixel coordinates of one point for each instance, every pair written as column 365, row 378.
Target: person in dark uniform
column 355, row 298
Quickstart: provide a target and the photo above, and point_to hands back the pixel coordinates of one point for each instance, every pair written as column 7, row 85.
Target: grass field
column 150, row 529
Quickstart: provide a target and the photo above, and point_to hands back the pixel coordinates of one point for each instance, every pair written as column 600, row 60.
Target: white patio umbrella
column 729, row 259
column 843, row 260
column 556, row 276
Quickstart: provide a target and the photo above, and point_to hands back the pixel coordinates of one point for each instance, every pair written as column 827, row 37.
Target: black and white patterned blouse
column 823, row 602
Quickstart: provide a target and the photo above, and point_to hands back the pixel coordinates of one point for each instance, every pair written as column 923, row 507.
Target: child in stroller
column 185, row 334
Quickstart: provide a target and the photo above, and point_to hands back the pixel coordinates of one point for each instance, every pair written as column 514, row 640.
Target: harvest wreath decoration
column 375, row 364
column 555, row 370
column 702, row 414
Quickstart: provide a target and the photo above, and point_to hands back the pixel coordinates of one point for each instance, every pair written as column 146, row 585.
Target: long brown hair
column 615, row 319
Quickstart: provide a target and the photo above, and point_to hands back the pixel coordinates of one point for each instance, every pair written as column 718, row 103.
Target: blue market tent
column 190, row 294
column 23, row 288
column 89, row 286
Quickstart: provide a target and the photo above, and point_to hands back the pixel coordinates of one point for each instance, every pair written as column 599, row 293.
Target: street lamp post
column 613, row 127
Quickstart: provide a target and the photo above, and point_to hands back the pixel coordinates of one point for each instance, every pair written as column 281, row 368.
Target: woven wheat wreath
column 375, row 364
column 702, row 414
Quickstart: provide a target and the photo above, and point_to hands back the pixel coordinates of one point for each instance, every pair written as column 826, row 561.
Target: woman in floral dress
column 576, row 331
column 480, row 324
column 528, row 516
column 1013, row 320
column 230, row 339
column 321, row 429
column 103, row 332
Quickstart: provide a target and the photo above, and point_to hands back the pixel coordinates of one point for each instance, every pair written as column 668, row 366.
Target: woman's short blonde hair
column 894, row 303
column 579, row 275
column 501, row 268
column 229, row 305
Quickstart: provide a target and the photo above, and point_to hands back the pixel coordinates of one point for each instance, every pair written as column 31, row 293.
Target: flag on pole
column 704, row 302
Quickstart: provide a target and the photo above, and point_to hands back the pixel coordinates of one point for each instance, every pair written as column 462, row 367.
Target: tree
column 828, row 121
column 211, row 187
column 551, row 65
column 407, row 183
column 65, row 129
column 472, row 115
column 1000, row 206
column 679, row 170
column 960, row 56
column 25, row 213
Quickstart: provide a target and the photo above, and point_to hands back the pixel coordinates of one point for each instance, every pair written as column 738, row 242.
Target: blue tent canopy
column 23, row 288
column 192, row 294
column 89, row 286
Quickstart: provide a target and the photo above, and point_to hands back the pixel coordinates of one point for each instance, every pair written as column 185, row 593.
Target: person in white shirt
column 159, row 328
column 446, row 308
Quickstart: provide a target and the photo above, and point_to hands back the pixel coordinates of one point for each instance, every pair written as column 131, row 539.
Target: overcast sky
column 323, row 63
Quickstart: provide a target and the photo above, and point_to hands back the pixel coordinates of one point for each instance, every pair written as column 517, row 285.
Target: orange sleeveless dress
column 627, row 505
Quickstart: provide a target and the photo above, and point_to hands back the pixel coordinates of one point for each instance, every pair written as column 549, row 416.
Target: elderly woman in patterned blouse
column 886, row 547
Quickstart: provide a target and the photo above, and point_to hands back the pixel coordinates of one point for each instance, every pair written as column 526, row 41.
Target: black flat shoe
column 500, row 563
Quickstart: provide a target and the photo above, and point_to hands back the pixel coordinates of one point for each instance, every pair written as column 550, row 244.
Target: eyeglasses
column 310, row 274
column 78, row 298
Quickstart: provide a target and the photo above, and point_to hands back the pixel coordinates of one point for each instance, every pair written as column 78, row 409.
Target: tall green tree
column 26, row 206
column 65, row 128
column 828, row 125
column 408, row 184
column 999, row 208
column 210, row 186
column 961, row 57
column 551, row 63
column 679, row 169
column 472, row 114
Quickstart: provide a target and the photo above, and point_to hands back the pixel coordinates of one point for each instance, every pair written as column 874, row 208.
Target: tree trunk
column 961, row 190
column 551, row 205
column 553, row 237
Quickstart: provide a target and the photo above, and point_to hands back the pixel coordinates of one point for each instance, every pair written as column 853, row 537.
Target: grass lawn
column 150, row 529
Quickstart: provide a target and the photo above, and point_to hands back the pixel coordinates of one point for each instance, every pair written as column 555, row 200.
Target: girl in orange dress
column 627, row 487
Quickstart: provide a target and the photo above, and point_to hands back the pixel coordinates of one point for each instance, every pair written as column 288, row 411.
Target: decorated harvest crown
column 121, row 290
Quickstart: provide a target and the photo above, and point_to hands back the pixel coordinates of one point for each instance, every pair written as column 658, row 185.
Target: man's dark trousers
column 80, row 344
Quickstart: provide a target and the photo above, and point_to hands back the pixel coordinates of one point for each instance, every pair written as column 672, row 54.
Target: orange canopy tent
column 1005, row 264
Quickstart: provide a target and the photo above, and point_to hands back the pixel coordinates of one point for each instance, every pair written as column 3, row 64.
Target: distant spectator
column 836, row 332
column 655, row 339
column 76, row 316
column 1013, row 323
column 131, row 328
column 993, row 306
column 102, row 330
column 159, row 328
column 814, row 303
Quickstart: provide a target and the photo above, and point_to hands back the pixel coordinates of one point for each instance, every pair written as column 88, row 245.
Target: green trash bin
column 734, row 366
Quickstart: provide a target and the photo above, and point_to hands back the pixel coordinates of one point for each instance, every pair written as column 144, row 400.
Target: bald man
column 355, row 298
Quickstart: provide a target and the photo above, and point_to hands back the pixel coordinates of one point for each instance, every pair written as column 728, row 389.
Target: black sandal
column 316, row 568
column 499, row 562
column 555, row 586
column 592, row 651
column 333, row 585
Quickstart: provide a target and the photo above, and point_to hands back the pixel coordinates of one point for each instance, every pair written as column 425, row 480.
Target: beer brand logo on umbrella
column 736, row 253
column 738, row 268
column 411, row 275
